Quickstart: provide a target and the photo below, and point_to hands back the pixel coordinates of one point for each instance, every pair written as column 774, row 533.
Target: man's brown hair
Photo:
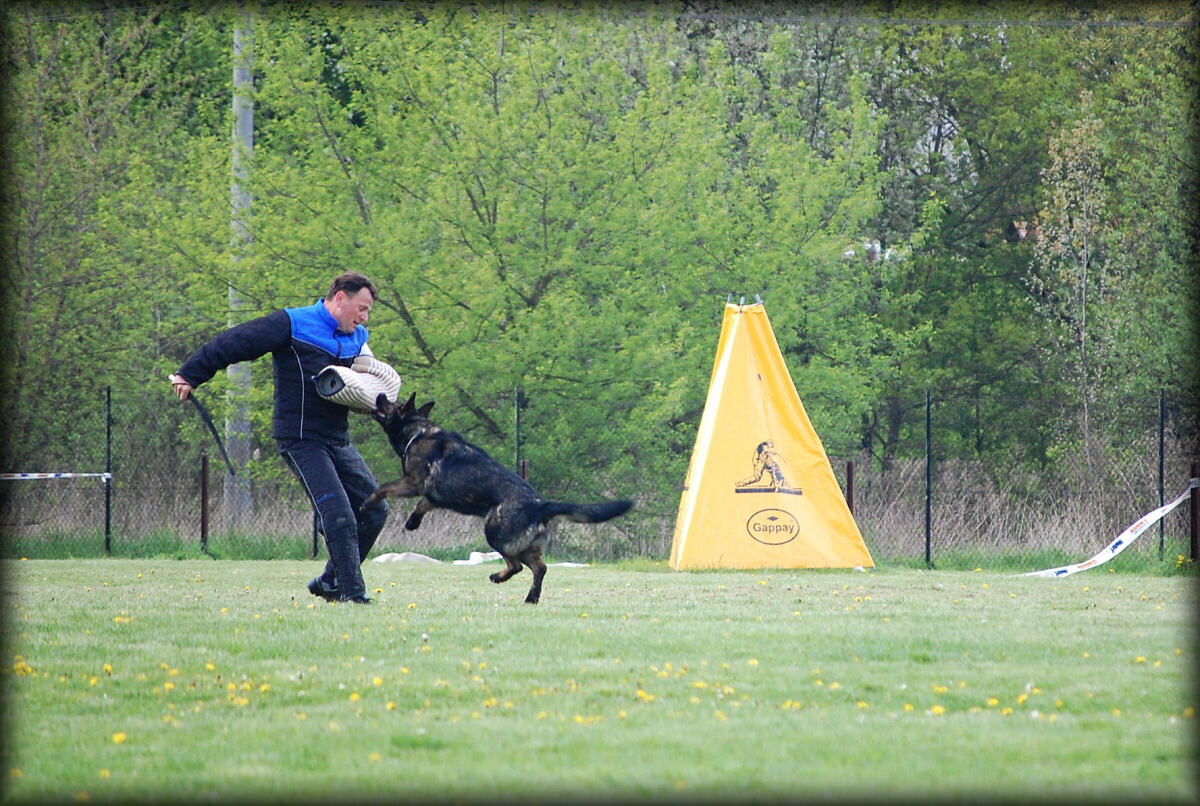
column 351, row 282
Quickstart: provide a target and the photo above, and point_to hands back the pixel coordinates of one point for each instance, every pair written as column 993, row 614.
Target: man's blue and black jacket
column 302, row 342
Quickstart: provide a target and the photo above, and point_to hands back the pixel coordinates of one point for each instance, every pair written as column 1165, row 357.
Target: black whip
column 207, row 418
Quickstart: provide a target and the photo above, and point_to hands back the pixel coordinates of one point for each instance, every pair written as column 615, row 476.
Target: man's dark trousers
column 337, row 481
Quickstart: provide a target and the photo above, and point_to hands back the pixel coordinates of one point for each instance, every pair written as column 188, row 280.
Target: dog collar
column 404, row 453
column 413, row 439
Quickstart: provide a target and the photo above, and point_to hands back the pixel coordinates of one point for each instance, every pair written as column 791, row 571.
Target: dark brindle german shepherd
column 451, row 473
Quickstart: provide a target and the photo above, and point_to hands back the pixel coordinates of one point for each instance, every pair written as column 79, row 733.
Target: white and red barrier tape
column 1123, row 540
column 11, row 476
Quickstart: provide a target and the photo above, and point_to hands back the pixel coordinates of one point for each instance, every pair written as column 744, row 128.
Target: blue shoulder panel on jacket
column 314, row 325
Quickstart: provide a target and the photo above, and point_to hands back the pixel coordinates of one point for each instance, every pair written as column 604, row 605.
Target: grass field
column 224, row 680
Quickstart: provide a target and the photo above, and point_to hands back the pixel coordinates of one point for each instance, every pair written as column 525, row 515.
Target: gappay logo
column 772, row 527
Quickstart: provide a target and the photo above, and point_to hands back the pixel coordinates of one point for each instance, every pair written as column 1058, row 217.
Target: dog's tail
column 585, row 513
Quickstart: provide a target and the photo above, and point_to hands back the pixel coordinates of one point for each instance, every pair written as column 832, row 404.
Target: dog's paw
column 369, row 503
column 414, row 521
column 497, row 578
column 532, row 598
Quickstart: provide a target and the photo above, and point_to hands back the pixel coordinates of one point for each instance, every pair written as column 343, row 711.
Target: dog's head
column 401, row 420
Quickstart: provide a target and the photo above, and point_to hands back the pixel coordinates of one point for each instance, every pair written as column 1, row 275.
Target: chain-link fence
column 924, row 508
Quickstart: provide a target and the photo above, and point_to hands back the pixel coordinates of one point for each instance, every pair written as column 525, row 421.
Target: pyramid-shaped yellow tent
column 760, row 492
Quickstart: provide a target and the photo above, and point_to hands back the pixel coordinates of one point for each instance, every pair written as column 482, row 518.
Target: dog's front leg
column 400, row 488
column 418, row 514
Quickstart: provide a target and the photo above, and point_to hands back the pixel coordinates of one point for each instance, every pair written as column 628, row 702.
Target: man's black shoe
column 319, row 587
column 362, row 598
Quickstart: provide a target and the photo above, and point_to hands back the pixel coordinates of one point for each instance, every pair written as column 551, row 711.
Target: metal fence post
column 1194, row 505
column 204, row 503
column 108, row 469
column 519, row 404
column 850, row 485
column 1162, row 462
column 928, row 479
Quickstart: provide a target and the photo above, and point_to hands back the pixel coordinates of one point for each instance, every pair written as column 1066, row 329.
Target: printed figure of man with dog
column 312, row 432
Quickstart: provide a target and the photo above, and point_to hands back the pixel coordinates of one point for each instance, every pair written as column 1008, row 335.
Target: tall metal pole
column 237, row 503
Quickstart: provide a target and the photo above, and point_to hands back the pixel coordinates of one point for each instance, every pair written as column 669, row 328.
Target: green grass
column 199, row 679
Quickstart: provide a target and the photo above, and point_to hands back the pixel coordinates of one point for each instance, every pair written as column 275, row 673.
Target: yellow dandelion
column 1189, row 712
column 752, row 662
column 108, row 668
column 374, row 756
column 993, row 702
column 119, row 738
column 354, row 697
column 720, row 716
column 645, row 696
column 1140, row 659
column 104, row 773
column 862, row 704
column 378, row 681
column 938, row 710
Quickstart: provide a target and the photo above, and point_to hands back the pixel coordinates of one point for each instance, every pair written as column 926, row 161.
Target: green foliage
column 559, row 200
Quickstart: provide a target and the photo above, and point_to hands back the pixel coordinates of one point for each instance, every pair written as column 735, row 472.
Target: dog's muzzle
column 359, row 385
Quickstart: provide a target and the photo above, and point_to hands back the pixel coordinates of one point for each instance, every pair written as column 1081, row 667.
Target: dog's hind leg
column 512, row 567
column 534, row 560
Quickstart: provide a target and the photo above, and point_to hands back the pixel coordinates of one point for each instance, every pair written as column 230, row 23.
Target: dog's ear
column 410, row 404
column 424, row 410
column 381, row 403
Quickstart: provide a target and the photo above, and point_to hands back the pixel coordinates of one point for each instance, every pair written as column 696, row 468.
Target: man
column 312, row 433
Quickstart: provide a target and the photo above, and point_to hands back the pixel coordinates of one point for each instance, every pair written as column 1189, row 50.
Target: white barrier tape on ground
column 10, row 476
column 1123, row 540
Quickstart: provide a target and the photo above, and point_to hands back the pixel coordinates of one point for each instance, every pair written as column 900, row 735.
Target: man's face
column 351, row 310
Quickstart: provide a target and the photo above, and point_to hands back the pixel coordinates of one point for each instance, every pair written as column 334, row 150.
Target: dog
column 448, row 472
